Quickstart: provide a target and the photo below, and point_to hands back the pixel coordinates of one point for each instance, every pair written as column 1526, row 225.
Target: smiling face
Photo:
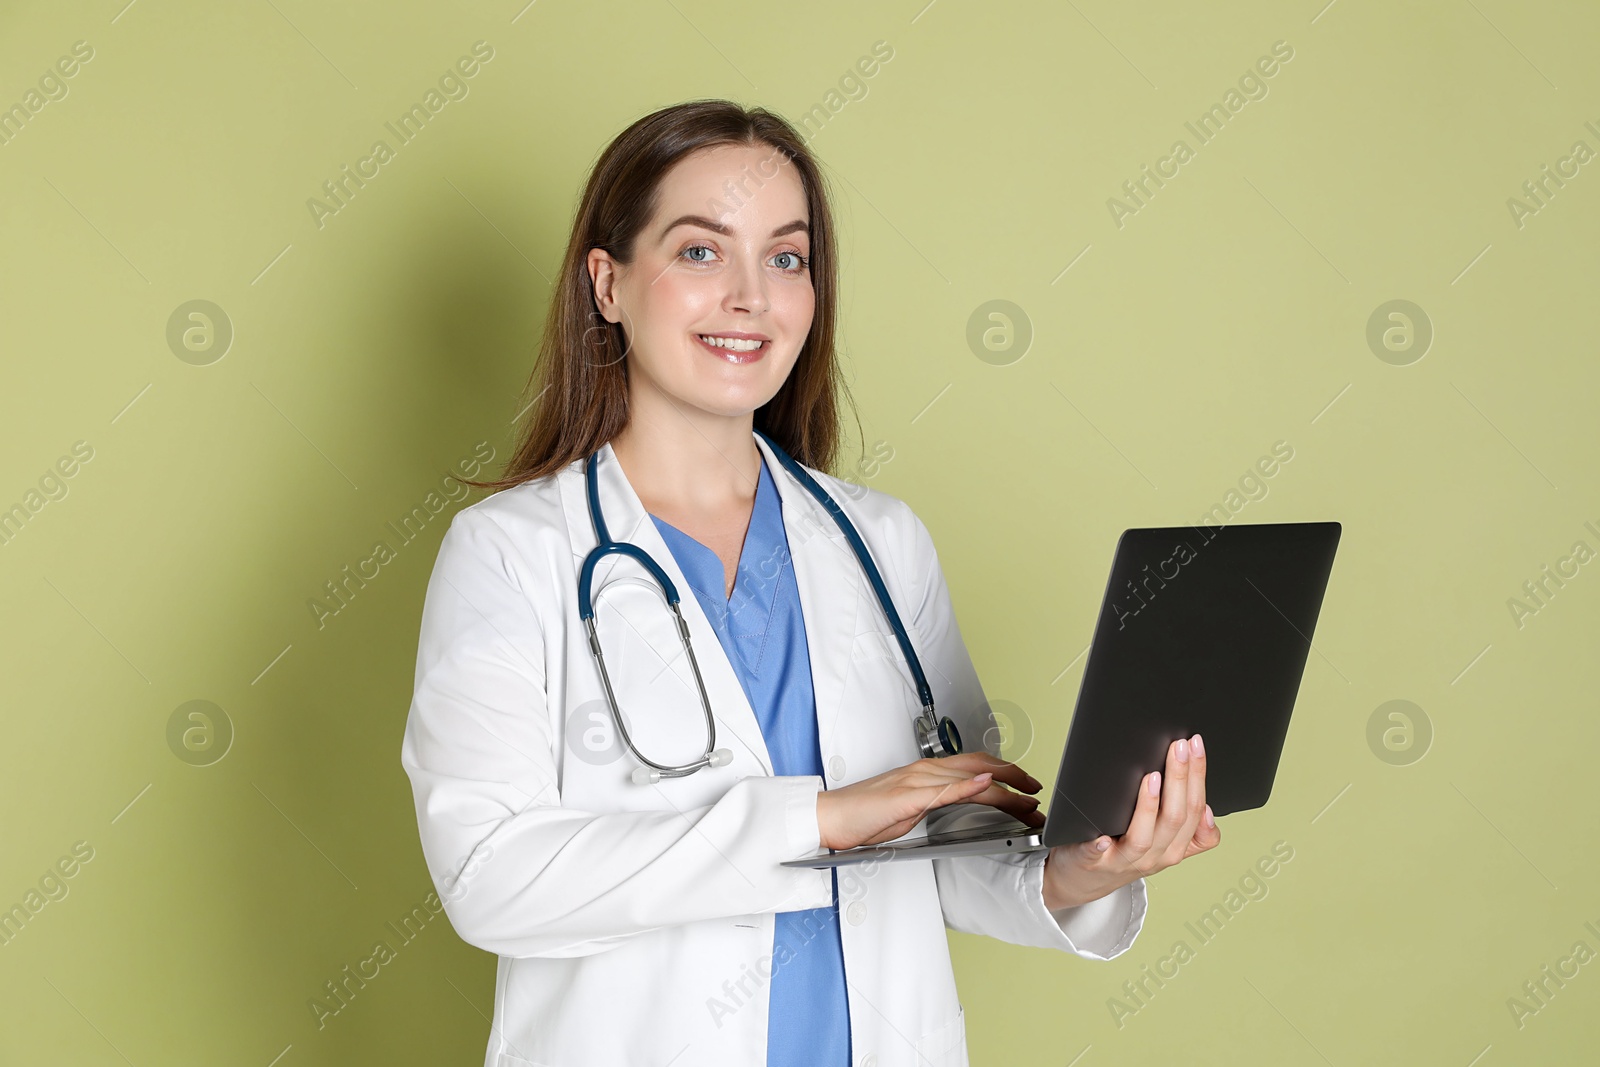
column 716, row 303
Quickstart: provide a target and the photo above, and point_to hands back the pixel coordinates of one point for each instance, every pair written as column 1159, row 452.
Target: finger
column 917, row 799
column 975, row 784
column 1135, row 841
column 980, row 789
column 1018, row 805
column 1097, row 848
column 1174, row 813
column 1003, row 771
column 1180, row 813
column 916, row 789
column 1207, row 836
column 950, row 791
column 984, row 788
column 1197, row 792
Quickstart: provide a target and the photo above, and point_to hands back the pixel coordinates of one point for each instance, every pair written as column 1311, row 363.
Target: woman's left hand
column 1156, row 838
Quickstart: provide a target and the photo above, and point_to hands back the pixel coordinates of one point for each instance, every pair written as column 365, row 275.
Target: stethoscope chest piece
column 935, row 741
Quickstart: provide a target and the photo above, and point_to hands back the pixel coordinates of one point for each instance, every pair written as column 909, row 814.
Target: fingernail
column 1199, row 748
column 1102, row 844
column 984, row 777
column 1210, row 819
column 1183, row 751
column 1155, row 783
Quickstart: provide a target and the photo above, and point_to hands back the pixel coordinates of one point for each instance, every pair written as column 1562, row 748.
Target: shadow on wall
column 451, row 311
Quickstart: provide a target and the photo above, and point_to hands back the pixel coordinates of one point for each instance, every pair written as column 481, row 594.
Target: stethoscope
column 936, row 736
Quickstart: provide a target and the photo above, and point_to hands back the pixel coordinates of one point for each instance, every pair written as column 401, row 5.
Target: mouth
column 734, row 348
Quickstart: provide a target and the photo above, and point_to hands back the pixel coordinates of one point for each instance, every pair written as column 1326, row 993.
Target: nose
column 747, row 288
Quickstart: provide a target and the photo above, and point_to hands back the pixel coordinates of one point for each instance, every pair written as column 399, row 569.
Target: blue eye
column 802, row 262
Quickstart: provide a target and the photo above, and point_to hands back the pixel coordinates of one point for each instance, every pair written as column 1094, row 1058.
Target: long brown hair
column 579, row 384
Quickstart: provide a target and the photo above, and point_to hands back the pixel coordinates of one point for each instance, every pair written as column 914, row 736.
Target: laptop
column 1201, row 630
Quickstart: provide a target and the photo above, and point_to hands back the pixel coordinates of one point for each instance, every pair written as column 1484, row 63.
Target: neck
column 681, row 460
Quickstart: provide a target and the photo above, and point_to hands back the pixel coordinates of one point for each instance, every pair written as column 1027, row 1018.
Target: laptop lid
column 1201, row 629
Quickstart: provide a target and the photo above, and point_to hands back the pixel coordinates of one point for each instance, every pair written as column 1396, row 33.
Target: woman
column 650, row 922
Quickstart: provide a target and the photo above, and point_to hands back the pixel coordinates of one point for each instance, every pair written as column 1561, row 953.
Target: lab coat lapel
column 831, row 586
column 627, row 521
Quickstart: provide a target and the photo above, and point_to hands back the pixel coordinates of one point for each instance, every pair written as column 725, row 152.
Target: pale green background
column 1228, row 314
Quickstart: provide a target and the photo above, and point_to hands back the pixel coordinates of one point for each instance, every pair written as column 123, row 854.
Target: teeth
column 731, row 343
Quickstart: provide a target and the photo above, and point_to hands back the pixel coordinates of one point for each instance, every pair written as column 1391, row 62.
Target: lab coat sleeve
column 1001, row 896
column 518, row 873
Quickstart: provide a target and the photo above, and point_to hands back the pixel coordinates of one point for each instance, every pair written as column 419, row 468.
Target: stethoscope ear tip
column 720, row 757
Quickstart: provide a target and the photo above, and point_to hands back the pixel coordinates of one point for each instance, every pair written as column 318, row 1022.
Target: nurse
column 651, row 922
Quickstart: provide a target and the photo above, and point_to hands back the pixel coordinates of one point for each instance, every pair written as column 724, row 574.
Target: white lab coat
column 634, row 924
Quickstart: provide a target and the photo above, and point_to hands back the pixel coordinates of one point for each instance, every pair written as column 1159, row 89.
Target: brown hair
column 579, row 383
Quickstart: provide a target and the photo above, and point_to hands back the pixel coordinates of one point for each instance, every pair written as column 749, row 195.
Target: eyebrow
column 716, row 227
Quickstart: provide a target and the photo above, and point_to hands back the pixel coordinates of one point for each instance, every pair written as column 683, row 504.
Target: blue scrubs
column 763, row 632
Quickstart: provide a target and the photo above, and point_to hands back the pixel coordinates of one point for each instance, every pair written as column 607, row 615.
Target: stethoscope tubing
column 801, row 475
column 928, row 724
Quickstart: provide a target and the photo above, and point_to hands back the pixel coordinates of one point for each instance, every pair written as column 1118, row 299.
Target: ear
column 603, row 275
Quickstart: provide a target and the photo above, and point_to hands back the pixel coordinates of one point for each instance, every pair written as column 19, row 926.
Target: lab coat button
column 869, row 1060
column 855, row 914
column 836, row 767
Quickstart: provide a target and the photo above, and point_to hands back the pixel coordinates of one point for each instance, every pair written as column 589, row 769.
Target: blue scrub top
column 763, row 632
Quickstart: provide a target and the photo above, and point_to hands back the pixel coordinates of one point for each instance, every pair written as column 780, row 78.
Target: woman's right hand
column 887, row 806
